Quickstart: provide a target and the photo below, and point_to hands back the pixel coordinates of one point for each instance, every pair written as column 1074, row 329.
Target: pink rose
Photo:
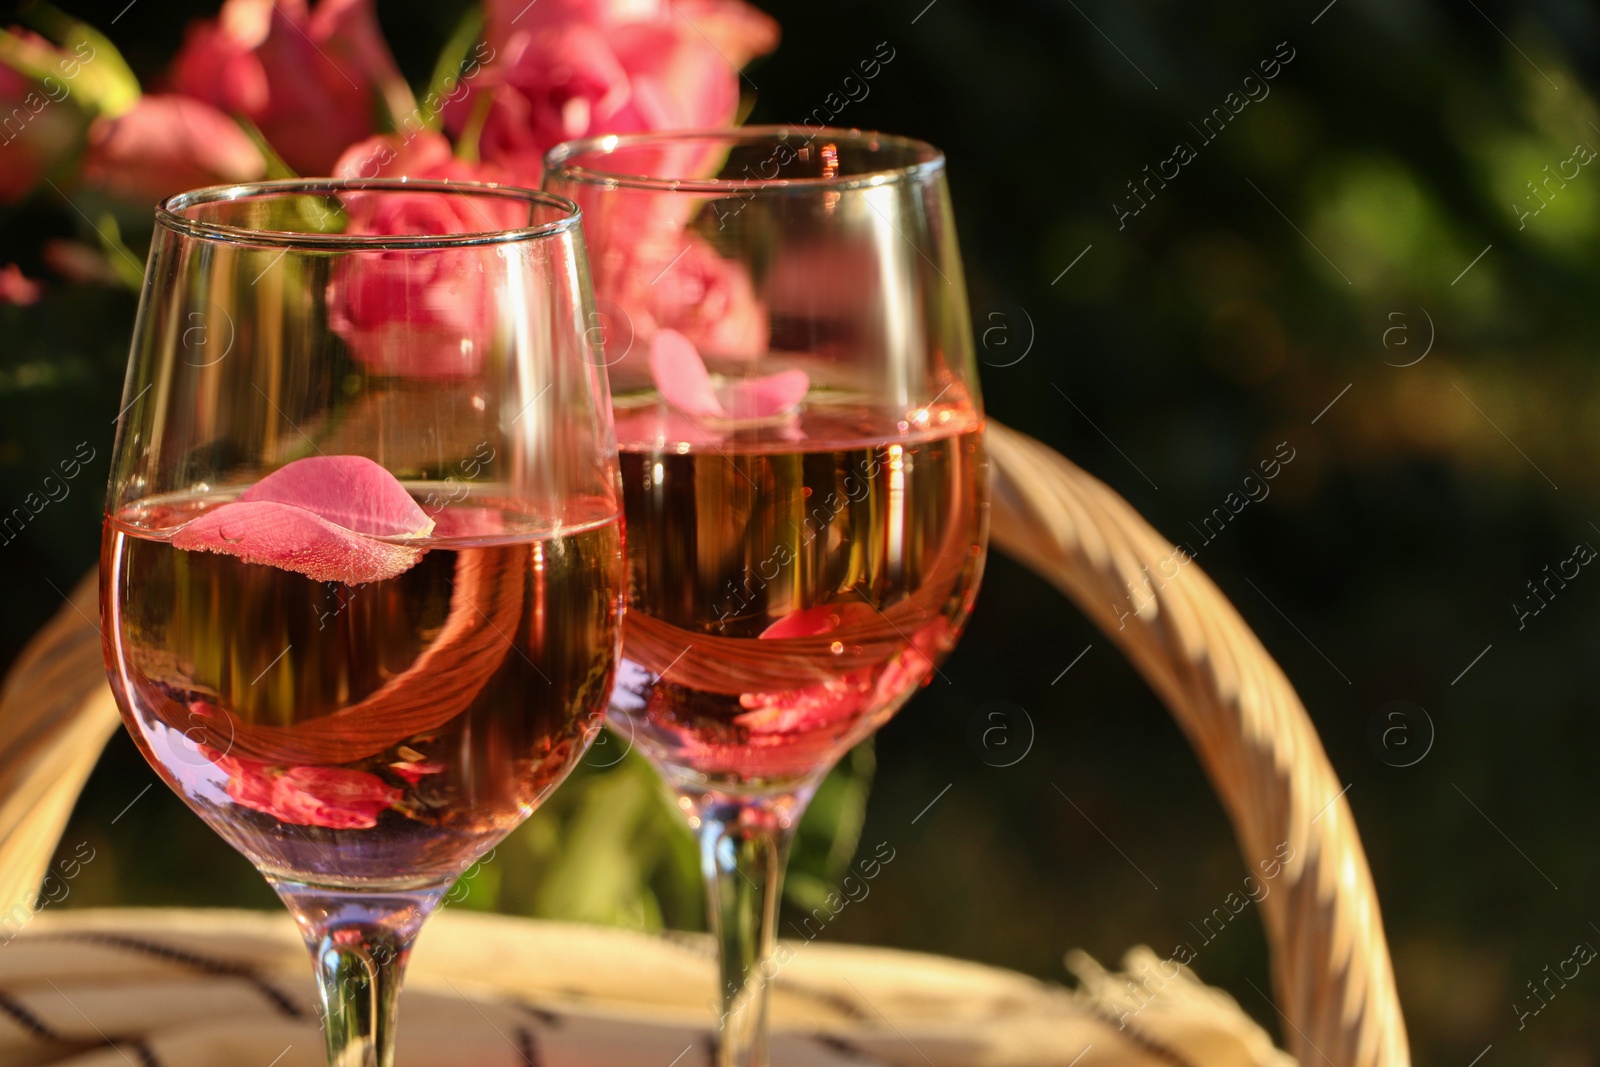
column 168, row 144
column 308, row 80
column 334, row 797
column 18, row 288
column 707, row 298
column 658, row 274
column 39, row 124
column 403, row 314
column 576, row 68
column 426, row 154
column 737, row 30
column 672, row 285
column 547, row 87
column 79, row 262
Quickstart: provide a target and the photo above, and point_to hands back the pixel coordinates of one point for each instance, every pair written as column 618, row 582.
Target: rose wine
column 791, row 584
column 374, row 735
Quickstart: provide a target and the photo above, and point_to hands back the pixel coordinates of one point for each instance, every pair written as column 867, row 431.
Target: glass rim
column 169, row 214
column 559, row 162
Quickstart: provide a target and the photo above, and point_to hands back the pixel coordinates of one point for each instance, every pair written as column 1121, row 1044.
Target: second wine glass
column 805, row 489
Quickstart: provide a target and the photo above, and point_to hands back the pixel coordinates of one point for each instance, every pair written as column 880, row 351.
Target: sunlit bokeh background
column 1378, row 233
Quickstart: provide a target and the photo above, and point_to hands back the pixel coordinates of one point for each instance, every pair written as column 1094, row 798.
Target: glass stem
column 359, row 944
column 744, row 844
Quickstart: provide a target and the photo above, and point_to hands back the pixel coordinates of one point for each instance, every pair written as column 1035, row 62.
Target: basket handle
column 56, row 714
column 1331, row 969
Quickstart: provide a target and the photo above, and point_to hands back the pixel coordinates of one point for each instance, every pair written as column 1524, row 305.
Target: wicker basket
column 1332, row 975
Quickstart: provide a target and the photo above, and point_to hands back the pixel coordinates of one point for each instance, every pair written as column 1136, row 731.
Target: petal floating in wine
column 766, row 395
column 681, row 376
column 350, row 491
column 295, row 539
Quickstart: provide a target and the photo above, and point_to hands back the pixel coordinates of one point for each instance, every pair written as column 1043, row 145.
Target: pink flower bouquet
column 278, row 88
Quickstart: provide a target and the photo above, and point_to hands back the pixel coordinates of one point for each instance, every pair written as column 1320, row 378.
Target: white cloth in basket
column 174, row 988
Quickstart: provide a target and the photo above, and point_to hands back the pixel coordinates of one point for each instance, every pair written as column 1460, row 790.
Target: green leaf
column 276, row 167
column 467, row 145
column 447, row 71
column 831, row 830
column 103, row 81
column 122, row 259
column 600, row 875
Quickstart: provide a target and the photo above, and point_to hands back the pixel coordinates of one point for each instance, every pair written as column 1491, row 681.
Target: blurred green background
column 1310, row 254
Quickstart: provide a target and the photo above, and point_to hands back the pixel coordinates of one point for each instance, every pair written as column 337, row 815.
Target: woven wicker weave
column 1334, row 983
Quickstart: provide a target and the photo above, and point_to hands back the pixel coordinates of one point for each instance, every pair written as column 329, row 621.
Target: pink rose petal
column 414, row 772
column 681, row 376
column 842, row 699
column 335, row 797
column 294, row 539
column 770, row 394
column 800, row 711
column 165, row 144
column 349, row 491
column 824, row 618
column 812, row 707
column 307, row 79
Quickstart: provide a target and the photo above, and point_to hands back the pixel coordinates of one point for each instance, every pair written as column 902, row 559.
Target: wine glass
column 804, row 482
column 361, row 573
